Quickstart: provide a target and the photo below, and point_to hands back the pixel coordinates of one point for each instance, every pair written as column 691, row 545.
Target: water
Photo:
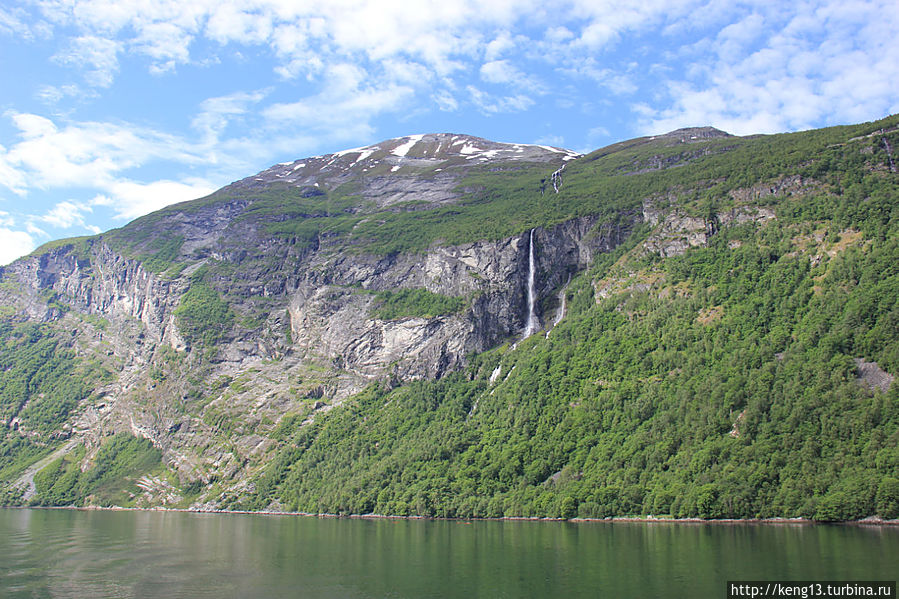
column 533, row 323
column 66, row 553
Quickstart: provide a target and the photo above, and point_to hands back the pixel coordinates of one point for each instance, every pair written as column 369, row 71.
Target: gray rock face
column 329, row 298
column 107, row 285
column 336, row 346
column 332, row 317
column 305, row 332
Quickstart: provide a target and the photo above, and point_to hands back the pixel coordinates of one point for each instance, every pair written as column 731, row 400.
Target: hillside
column 714, row 329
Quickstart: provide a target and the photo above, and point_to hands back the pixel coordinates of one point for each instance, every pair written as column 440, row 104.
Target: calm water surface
column 64, row 553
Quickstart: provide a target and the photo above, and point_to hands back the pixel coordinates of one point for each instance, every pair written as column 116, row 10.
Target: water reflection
column 64, row 553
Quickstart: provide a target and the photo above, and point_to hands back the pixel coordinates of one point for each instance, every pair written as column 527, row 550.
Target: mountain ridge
column 235, row 338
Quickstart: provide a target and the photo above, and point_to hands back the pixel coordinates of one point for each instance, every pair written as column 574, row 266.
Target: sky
column 110, row 109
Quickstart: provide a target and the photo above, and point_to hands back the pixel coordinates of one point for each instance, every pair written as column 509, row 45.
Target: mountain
column 692, row 324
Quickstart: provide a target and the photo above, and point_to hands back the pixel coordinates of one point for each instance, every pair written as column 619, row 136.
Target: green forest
column 747, row 377
column 729, row 389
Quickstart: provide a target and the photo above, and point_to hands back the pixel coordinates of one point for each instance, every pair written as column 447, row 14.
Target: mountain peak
column 687, row 134
column 411, row 153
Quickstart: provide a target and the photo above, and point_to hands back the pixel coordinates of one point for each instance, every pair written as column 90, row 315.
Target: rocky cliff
column 217, row 328
column 304, row 330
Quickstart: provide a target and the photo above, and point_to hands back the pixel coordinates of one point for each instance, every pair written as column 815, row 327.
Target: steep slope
column 665, row 274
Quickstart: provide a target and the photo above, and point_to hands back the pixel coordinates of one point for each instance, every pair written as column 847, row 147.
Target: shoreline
column 870, row 521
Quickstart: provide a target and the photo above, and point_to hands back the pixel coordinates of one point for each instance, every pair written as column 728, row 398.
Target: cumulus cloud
column 130, row 199
column 504, row 72
column 14, row 244
column 445, row 101
column 97, row 156
column 407, row 42
column 816, row 64
column 66, row 215
column 344, row 108
column 339, row 68
column 499, row 46
column 83, row 154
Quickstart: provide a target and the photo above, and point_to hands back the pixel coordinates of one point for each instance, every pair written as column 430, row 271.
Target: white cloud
column 605, row 21
column 14, row 244
column 344, row 108
column 504, row 72
column 502, row 44
column 732, row 41
column 166, row 43
column 10, row 175
column 99, row 156
column 445, row 101
column 86, row 154
column 747, row 67
column 490, row 104
column 52, row 94
column 97, row 55
column 233, row 22
column 11, row 21
column 66, row 215
column 619, row 82
column 820, row 63
column 130, row 199
column 596, row 132
column 216, row 113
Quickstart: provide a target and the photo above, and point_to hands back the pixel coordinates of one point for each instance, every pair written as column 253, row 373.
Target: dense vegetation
column 109, row 481
column 415, row 302
column 729, row 388
column 41, row 383
column 728, row 381
column 203, row 317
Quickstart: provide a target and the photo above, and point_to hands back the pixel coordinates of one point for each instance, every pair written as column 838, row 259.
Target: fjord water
column 67, row 553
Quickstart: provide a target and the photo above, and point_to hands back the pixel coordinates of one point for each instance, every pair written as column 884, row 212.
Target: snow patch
column 394, row 169
column 299, row 166
column 350, row 151
column 365, row 154
column 552, row 149
column 402, row 149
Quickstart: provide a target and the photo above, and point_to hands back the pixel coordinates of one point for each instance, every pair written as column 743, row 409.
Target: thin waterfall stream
column 532, row 323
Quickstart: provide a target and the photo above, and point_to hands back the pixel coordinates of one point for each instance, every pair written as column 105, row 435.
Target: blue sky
column 110, row 109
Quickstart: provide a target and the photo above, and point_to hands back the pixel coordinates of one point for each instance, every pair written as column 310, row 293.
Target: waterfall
column 557, row 179
column 562, row 297
column 533, row 323
column 886, row 144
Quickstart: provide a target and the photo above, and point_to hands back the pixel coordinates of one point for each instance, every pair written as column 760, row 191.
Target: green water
column 64, row 553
